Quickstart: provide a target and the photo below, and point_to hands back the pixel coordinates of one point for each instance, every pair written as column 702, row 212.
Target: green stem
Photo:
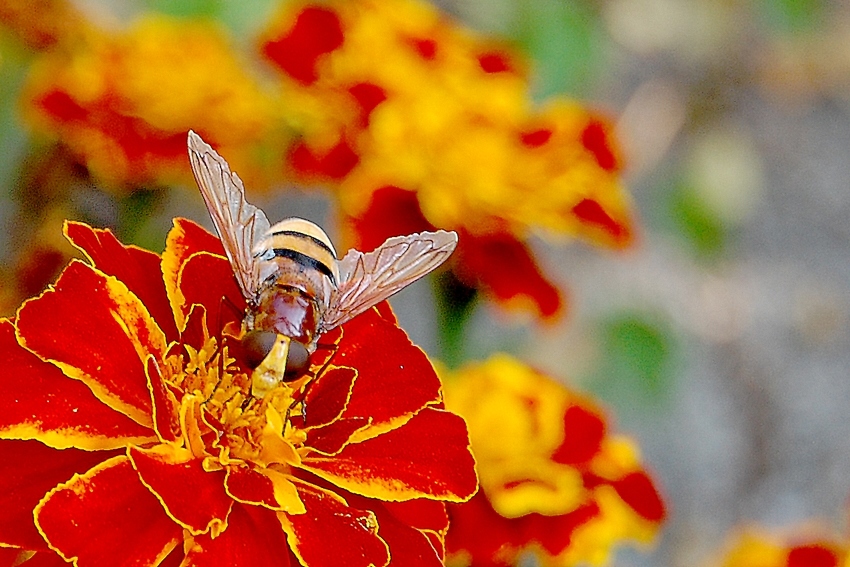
column 455, row 302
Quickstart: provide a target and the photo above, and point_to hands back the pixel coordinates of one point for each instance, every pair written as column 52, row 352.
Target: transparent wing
column 239, row 224
column 368, row 279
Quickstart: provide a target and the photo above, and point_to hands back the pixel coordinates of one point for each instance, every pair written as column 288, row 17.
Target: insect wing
column 368, row 279
column 239, row 224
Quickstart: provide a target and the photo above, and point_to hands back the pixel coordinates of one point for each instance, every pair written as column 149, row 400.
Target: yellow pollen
column 234, row 426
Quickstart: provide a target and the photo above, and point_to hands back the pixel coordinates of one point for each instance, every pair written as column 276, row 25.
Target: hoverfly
column 293, row 284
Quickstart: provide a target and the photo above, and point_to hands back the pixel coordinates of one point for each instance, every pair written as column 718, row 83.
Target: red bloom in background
column 554, row 481
column 130, row 436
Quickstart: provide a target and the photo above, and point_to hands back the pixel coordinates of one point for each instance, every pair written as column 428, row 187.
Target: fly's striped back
column 303, row 242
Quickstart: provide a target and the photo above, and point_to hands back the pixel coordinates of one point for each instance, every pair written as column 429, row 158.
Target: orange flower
column 755, row 548
column 553, row 480
column 123, row 101
column 446, row 124
column 129, row 430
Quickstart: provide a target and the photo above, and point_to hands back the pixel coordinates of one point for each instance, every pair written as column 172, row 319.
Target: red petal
column 316, row 31
column 264, row 487
column 28, row 470
column 536, row 138
column 497, row 545
column 401, row 525
column 394, row 379
column 331, row 439
column 139, row 269
column 107, row 513
column 591, row 213
column 250, row 487
column 427, row 457
column 583, row 434
column 426, row 47
column 423, row 514
column 192, row 496
column 812, row 556
column 385, row 310
column 62, row 106
column 368, row 97
column 175, row 558
column 328, row 396
column 207, row 279
column 40, row 402
column 495, row 62
column 99, row 332
column 9, row 556
column 501, row 542
column 355, row 541
column 333, row 163
column 595, row 139
column 391, row 211
column 253, row 538
column 46, row 559
column 636, row 490
column 184, row 239
column 195, row 332
column 505, row 267
column 555, row 533
column 165, row 406
column 409, row 547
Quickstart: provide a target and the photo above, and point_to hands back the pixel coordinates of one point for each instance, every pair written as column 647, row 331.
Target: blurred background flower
column 555, row 484
column 807, row 545
column 719, row 339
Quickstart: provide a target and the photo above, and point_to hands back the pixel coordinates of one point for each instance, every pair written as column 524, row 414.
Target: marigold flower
column 756, row 548
column 445, row 117
column 553, row 480
column 123, row 101
column 129, row 430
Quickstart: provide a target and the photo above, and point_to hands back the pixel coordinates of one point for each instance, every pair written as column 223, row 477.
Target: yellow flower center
column 222, row 422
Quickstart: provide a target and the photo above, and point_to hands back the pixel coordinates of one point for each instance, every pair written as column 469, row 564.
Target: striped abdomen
column 293, row 300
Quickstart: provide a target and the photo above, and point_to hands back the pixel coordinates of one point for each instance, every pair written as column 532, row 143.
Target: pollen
column 231, row 425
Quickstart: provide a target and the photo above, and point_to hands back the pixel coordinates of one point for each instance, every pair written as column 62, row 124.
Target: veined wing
column 368, row 279
column 239, row 224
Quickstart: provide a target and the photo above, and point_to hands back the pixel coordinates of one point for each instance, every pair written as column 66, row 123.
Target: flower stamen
column 221, row 420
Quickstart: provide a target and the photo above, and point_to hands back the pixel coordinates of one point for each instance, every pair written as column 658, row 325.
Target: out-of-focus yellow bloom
column 123, row 101
column 756, row 548
column 552, row 479
column 392, row 94
column 447, row 114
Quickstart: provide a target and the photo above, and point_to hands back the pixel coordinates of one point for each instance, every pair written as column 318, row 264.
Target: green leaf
column 790, row 16
column 455, row 303
column 187, row 8
column 564, row 38
column 702, row 229
column 636, row 368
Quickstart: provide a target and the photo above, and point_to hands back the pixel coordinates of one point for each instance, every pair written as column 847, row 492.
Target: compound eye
column 258, row 344
column 297, row 359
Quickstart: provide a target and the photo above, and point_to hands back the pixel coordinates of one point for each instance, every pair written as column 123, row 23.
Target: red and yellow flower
column 756, row 548
column 122, row 101
column 443, row 134
column 129, row 434
column 553, row 480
